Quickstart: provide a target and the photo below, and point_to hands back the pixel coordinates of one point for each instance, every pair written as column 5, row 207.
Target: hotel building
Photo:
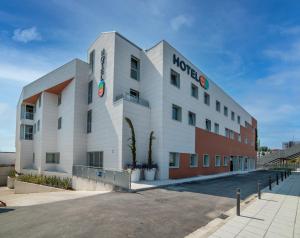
column 75, row 115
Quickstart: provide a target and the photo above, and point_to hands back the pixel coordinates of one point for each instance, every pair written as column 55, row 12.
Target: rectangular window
column 29, row 109
column 26, row 132
column 95, row 159
column 231, row 134
column 239, row 138
column 59, row 123
column 92, row 61
column 89, row 122
column 246, row 140
column 206, row 99
column 34, row 128
column 90, row 92
column 38, row 125
column 218, row 106
column 208, row 125
column 205, row 161
column 52, row 158
column 194, row 91
column 218, row 161
column 225, row 111
column 227, row 133
column 192, row 119
column 239, row 119
column 175, row 78
column 232, row 116
column 135, row 68
column 40, row 101
column 174, row 160
column 193, row 160
column 134, row 95
column 217, row 128
column 176, row 113
column 226, row 159
column 58, row 99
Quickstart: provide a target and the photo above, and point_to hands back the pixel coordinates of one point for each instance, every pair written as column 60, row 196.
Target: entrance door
column 231, row 165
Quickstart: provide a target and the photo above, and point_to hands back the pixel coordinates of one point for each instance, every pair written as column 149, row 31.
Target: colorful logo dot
column 101, row 87
column 203, row 82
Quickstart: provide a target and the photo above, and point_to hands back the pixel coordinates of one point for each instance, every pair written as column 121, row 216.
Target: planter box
column 24, row 187
column 10, row 182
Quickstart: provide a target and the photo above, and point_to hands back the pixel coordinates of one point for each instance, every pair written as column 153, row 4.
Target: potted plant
column 11, row 179
column 134, row 169
column 150, row 168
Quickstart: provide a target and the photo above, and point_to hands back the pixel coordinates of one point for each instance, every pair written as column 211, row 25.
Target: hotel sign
column 101, row 85
column 190, row 71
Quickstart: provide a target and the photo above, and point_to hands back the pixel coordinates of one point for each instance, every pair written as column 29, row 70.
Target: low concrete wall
column 4, row 171
column 84, row 184
column 24, row 187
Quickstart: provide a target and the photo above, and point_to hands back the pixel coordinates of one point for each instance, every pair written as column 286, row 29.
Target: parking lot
column 173, row 211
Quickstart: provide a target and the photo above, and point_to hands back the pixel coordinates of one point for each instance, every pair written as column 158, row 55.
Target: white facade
column 110, row 132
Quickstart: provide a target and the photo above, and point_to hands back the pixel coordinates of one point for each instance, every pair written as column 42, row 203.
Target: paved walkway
column 18, row 200
column 277, row 214
column 142, row 185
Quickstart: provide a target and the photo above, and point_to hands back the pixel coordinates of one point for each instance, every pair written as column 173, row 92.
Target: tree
column 151, row 138
column 133, row 142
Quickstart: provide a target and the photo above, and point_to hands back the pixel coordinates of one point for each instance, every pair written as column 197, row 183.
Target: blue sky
column 250, row 48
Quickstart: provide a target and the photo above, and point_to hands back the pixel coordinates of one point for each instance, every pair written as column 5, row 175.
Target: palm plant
column 151, row 138
column 133, row 141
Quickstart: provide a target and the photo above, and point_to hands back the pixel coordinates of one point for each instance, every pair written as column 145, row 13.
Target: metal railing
column 126, row 96
column 120, row 178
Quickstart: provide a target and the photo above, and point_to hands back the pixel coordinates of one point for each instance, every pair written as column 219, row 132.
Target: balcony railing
column 126, row 96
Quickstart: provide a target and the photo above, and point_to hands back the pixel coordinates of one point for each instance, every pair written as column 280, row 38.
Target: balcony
column 128, row 97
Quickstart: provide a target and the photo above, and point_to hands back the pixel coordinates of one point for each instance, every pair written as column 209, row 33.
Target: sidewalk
column 276, row 215
column 144, row 185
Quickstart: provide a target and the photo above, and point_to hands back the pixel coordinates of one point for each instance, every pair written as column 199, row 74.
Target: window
column 134, row 95
column 239, row 119
column 33, row 158
column 225, row 111
column 27, row 112
column 217, row 128
column 135, row 68
column 92, row 61
column 218, row 106
column 59, row 123
column 52, row 158
column 193, row 160
column 176, row 113
column 174, row 160
column 232, row 116
column 26, row 132
column 239, row 138
column 194, row 91
column 205, row 161
column 208, row 125
column 192, row 119
column 58, row 99
column 95, row 159
column 246, row 140
column 89, row 122
column 38, row 125
column 227, row 134
column 231, row 134
column 226, row 159
column 175, row 78
column 40, row 101
column 217, row 161
column 90, row 92
column 206, row 99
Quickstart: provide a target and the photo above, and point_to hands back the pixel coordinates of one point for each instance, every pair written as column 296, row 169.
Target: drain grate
column 223, row 216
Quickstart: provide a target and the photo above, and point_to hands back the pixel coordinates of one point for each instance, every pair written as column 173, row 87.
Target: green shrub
column 52, row 181
column 12, row 173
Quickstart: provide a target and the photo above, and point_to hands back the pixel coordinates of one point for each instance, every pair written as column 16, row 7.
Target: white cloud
column 26, row 35
column 181, row 21
column 289, row 54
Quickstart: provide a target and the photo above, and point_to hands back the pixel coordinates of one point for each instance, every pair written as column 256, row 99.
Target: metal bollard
column 281, row 174
column 258, row 190
column 277, row 179
column 270, row 183
column 238, row 202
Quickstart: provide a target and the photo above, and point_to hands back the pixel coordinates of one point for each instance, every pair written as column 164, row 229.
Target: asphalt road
column 174, row 211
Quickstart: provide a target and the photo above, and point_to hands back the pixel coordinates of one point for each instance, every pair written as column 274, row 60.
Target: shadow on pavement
column 4, row 210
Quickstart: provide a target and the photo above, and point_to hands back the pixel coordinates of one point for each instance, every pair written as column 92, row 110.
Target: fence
column 293, row 166
column 120, row 178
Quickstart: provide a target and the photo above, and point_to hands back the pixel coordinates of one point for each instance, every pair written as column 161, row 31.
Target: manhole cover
column 223, row 216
